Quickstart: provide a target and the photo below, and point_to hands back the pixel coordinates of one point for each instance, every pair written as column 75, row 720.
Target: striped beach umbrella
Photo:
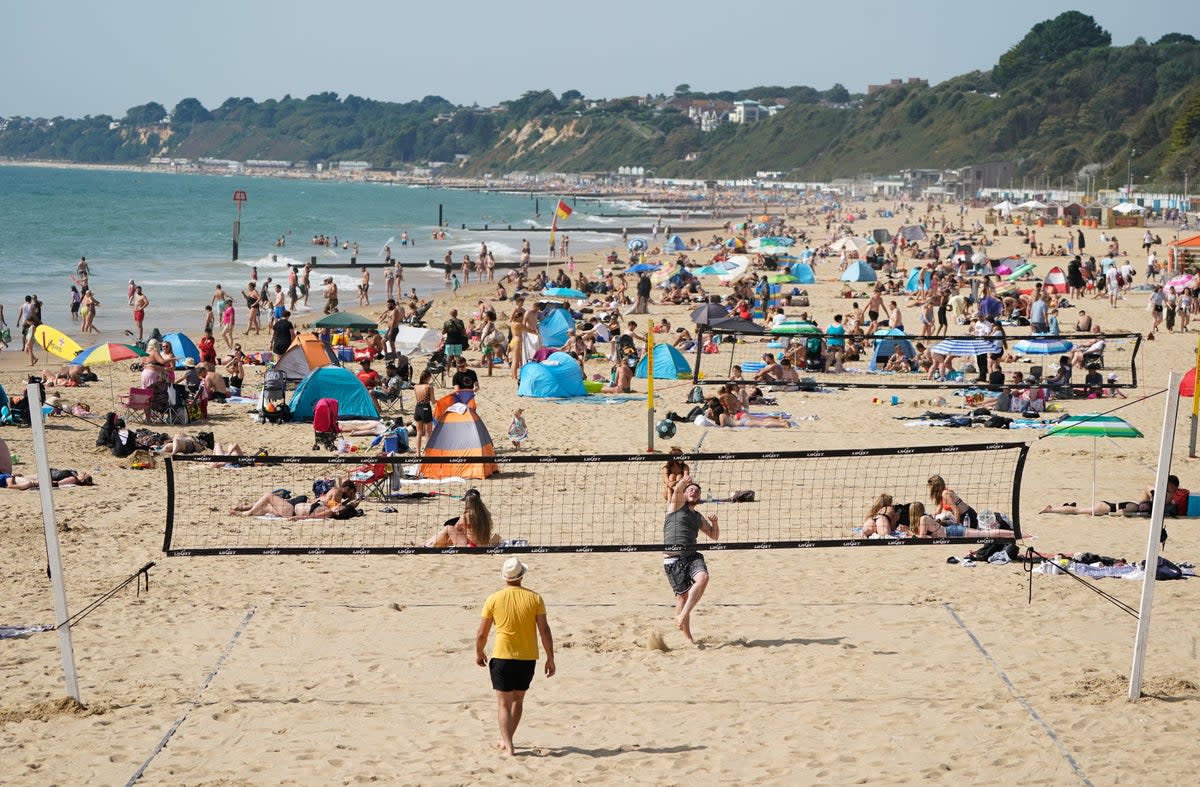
column 1095, row 426
column 108, row 352
column 966, row 347
column 1042, row 346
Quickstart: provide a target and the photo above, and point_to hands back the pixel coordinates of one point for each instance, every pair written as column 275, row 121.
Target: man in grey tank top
column 685, row 567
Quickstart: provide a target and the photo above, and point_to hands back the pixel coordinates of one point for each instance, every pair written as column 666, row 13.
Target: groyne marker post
column 239, row 197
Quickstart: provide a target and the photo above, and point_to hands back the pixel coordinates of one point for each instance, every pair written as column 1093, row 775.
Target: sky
column 74, row 58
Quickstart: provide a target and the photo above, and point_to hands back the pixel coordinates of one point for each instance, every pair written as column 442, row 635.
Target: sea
column 172, row 234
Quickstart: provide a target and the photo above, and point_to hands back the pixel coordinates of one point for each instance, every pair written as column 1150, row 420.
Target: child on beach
column 518, row 431
column 454, row 283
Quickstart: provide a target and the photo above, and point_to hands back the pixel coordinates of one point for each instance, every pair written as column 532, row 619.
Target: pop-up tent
column 674, row 243
column 1055, row 281
column 553, row 327
column 803, row 273
column 183, row 347
column 557, row 376
column 914, row 280
column 306, row 354
column 458, row 433
column 887, row 339
column 858, row 270
column 669, row 364
column 332, row 382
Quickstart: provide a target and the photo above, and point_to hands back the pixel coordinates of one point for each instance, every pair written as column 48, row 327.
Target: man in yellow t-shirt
column 519, row 615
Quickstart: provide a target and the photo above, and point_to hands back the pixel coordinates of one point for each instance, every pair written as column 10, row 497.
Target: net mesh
column 580, row 503
column 866, row 365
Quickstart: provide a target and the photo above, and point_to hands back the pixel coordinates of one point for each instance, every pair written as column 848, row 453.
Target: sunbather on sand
column 328, row 506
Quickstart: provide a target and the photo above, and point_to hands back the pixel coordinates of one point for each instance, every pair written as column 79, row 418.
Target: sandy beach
column 828, row 666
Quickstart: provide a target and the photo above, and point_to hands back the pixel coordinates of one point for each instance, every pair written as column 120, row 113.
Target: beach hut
column 674, row 243
column 559, row 376
column 333, row 382
column 1055, row 281
column 553, row 327
column 306, row 354
column 458, row 434
column 669, row 364
column 183, row 347
column 803, row 273
column 858, row 271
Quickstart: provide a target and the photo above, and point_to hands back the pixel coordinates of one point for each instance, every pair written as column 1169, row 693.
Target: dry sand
column 828, row 666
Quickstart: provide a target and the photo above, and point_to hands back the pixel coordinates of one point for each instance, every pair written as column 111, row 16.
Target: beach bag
column 696, row 395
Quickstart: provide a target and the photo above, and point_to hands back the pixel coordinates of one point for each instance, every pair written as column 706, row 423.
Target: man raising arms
column 685, row 567
column 519, row 615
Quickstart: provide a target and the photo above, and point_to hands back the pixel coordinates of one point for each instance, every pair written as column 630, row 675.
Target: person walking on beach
column 82, row 272
column 252, row 306
column 139, row 302
column 519, row 616
column 228, row 322
column 364, row 288
column 331, row 296
column 684, row 566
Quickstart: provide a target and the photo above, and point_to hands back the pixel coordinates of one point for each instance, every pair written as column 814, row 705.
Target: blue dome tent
column 914, row 280
column 674, row 243
column 858, row 270
column 803, row 273
column 553, row 327
column 887, row 339
column 669, row 364
column 556, row 377
column 335, row 382
column 183, row 347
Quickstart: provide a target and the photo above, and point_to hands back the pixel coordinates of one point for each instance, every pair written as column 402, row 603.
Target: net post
column 33, row 395
column 1157, row 505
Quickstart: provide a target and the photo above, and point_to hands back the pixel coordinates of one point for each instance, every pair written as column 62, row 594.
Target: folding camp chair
column 137, row 406
column 372, row 481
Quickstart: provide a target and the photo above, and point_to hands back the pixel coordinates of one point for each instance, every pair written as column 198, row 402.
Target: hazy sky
column 76, row 58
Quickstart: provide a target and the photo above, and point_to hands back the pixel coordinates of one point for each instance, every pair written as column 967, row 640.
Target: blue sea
column 172, row 234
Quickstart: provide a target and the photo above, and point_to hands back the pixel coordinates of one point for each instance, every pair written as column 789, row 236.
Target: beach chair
column 136, row 406
column 325, row 424
column 373, row 481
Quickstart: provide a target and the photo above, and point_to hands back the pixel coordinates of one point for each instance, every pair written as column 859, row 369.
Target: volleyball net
column 605, row 503
column 867, row 361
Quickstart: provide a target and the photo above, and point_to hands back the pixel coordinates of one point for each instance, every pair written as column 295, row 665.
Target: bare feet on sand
column 685, row 625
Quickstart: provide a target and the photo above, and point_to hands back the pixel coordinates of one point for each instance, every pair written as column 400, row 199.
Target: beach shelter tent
column 459, row 433
column 803, row 273
column 306, row 354
column 881, row 236
column 332, row 382
column 553, row 327
column 558, row 376
column 1055, row 281
column 183, row 347
column 887, row 339
column 914, row 280
column 858, row 271
column 411, row 341
column 669, row 364
column 674, row 243
column 847, row 243
column 741, row 265
column 913, row 233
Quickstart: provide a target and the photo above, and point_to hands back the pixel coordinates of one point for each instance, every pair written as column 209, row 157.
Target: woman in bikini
column 880, row 519
column 423, row 409
column 672, row 472
column 516, row 327
column 327, row 507
column 473, row 528
column 947, row 500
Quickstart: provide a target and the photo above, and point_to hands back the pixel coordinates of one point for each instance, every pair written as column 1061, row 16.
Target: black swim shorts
column 511, row 674
column 682, row 571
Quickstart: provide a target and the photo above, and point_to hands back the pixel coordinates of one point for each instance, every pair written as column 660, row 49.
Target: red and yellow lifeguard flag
column 561, row 212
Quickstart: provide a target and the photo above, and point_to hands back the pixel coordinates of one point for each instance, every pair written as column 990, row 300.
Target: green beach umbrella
column 1095, row 426
column 346, row 320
